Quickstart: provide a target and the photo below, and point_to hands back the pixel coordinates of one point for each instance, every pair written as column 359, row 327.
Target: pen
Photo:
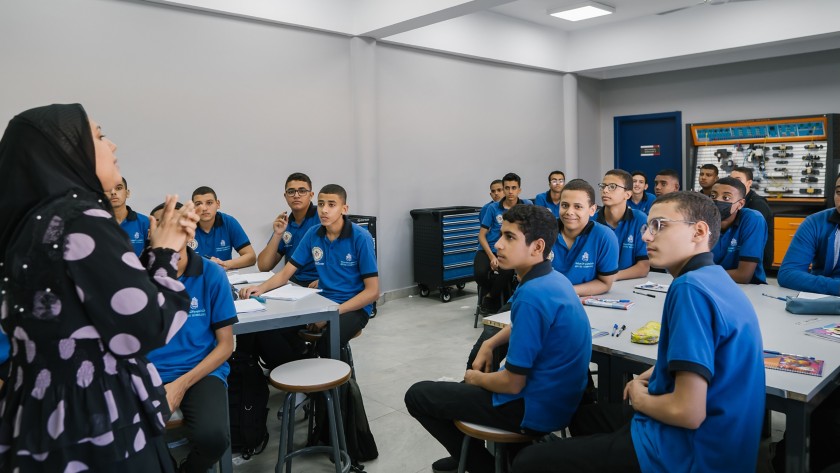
column 614, row 300
column 643, row 294
column 615, row 327
column 774, row 297
column 778, row 353
column 258, row 299
column 620, row 330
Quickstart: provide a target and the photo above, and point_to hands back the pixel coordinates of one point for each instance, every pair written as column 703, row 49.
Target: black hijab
column 44, row 153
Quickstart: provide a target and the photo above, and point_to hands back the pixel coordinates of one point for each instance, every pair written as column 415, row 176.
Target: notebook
column 827, row 332
column 244, row 306
column 623, row 304
column 793, row 363
column 249, row 278
column 652, row 286
column 290, row 292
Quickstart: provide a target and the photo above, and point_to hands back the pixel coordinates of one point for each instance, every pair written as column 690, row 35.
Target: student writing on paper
column 344, row 258
column 700, row 407
column 743, row 234
column 219, row 234
column 616, row 189
column 193, row 363
column 542, row 381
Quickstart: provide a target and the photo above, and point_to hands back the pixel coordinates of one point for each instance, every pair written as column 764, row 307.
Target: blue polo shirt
column 342, row 264
column 546, row 310
column 644, row 205
column 292, row 236
column 744, row 240
column 594, row 252
column 225, row 235
column 814, row 245
column 710, row 328
column 628, row 232
column 492, row 220
column 211, row 308
column 136, row 226
column 484, row 210
column 544, row 200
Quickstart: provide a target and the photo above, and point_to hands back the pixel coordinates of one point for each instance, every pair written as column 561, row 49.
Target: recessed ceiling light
column 582, row 11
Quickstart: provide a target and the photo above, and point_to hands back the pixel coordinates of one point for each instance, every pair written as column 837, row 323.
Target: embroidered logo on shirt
column 194, row 303
column 734, row 242
column 349, row 257
column 585, row 257
column 287, row 237
column 193, row 244
column 317, row 253
column 499, row 219
column 551, row 255
column 629, row 238
column 194, row 310
column 136, row 235
column 222, row 243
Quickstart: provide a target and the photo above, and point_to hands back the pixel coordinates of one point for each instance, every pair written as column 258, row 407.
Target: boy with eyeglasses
column 218, row 234
column 551, row 198
column 625, row 222
column 641, row 199
column 701, row 406
column 740, row 249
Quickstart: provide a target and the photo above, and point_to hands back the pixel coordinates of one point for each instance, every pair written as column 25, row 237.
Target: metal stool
column 346, row 352
column 176, row 420
column 499, row 437
column 312, row 375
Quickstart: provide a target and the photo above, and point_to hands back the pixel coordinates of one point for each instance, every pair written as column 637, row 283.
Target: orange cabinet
column 784, row 228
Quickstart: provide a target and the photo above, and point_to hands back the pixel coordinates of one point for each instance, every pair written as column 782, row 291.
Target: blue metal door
column 649, row 143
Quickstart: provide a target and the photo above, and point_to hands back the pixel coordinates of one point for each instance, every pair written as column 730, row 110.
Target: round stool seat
column 175, row 420
column 493, row 434
column 310, row 375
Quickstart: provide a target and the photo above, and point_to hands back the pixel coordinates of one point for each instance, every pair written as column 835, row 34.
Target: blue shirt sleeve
column 690, row 329
column 540, row 200
column 238, row 238
column 303, row 251
column 526, row 338
column 487, row 218
column 221, row 305
column 367, row 255
column 753, row 237
column 794, row 273
column 606, row 261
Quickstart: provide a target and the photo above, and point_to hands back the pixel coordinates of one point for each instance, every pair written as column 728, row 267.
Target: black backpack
column 361, row 445
column 247, row 404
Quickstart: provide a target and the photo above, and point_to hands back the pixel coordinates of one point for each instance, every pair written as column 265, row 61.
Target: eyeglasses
column 558, row 181
column 655, row 225
column 612, row 186
column 301, row 192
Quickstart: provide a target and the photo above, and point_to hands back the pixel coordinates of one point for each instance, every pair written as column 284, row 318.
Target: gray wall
column 198, row 99
column 786, row 86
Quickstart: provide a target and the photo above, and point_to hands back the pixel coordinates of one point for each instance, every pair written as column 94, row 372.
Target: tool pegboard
column 793, row 159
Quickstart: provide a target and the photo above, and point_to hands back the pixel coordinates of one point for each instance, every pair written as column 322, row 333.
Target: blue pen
column 774, row 297
column 258, row 299
column 615, row 327
column 778, row 353
column 614, row 300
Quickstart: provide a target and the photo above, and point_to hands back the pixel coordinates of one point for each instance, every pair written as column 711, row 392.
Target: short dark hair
column 204, row 190
column 745, row 171
column 639, row 173
column 535, row 222
column 125, row 183
column 497, row 181
column 712, row 167
column 161, row 205
column 695, row 207
column 298, row 176
column 556, row 172
column 731, row 181
column 580, row 185
column 669, row 173
column 624, row 175
column 334, row 189
column 511, row 176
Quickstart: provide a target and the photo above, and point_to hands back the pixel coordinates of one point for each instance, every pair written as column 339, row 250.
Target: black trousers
column 206, row 421
column 274, row 347
column 493, row 284
column 349, row 325
column 600, row 443
column 436, row 404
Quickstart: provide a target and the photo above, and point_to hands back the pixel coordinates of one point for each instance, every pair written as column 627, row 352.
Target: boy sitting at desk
column 585, row 252
column 135, row 225
column 542, row 381
column 193, row 363
column 740, row 249
column 700, row 407
column 550, row 199
column 345, row 261
column 641, row 199
column 625, row 222
column 219, row 233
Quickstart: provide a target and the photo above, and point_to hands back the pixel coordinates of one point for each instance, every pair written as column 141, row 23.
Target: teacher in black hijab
column 80, row 309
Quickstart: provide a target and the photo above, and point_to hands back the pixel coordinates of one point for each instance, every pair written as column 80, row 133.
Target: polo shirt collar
column 311, row 211
column 502, row 203
column 698, row 261
column 218, row 222
column 834, row 217
column 195, row 267
column 132, row 215
column 537, row 270
column 588, row 228
column 346, row 230
column 602, row 215
column 737, row 220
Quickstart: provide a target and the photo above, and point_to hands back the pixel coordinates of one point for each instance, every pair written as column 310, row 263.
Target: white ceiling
column 634, row 40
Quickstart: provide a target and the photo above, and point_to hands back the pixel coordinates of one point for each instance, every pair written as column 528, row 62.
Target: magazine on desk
column 826, row 332
column 793, row 363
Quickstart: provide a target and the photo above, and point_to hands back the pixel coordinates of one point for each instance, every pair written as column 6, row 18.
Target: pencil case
column 647, row 334
column 828, row 305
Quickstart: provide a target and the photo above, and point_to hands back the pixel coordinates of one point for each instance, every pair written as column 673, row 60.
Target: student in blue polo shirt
column 491, row 279
column 625, row 222
column 193, row 363
column 641, row 199
column 700, row 407
column 740, row 249
column 585, row 252
column 542, row 381
column 219, row 233
column 135, row 225
column 346, row 263
column 550, row 199
column 497, row 193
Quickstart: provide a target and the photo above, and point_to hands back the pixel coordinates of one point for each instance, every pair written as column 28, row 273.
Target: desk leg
column 797, row 437
column 335, row 334
column 604, row 382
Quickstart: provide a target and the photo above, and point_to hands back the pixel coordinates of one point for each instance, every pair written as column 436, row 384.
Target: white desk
column 280, row 314
column 794, row 394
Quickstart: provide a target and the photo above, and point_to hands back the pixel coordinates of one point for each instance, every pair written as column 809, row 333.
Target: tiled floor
column 410, row 339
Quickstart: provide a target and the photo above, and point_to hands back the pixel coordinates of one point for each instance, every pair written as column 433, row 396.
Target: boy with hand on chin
column 542, row 381
column 219, row 233
column 701, row 406
column 343, row 255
